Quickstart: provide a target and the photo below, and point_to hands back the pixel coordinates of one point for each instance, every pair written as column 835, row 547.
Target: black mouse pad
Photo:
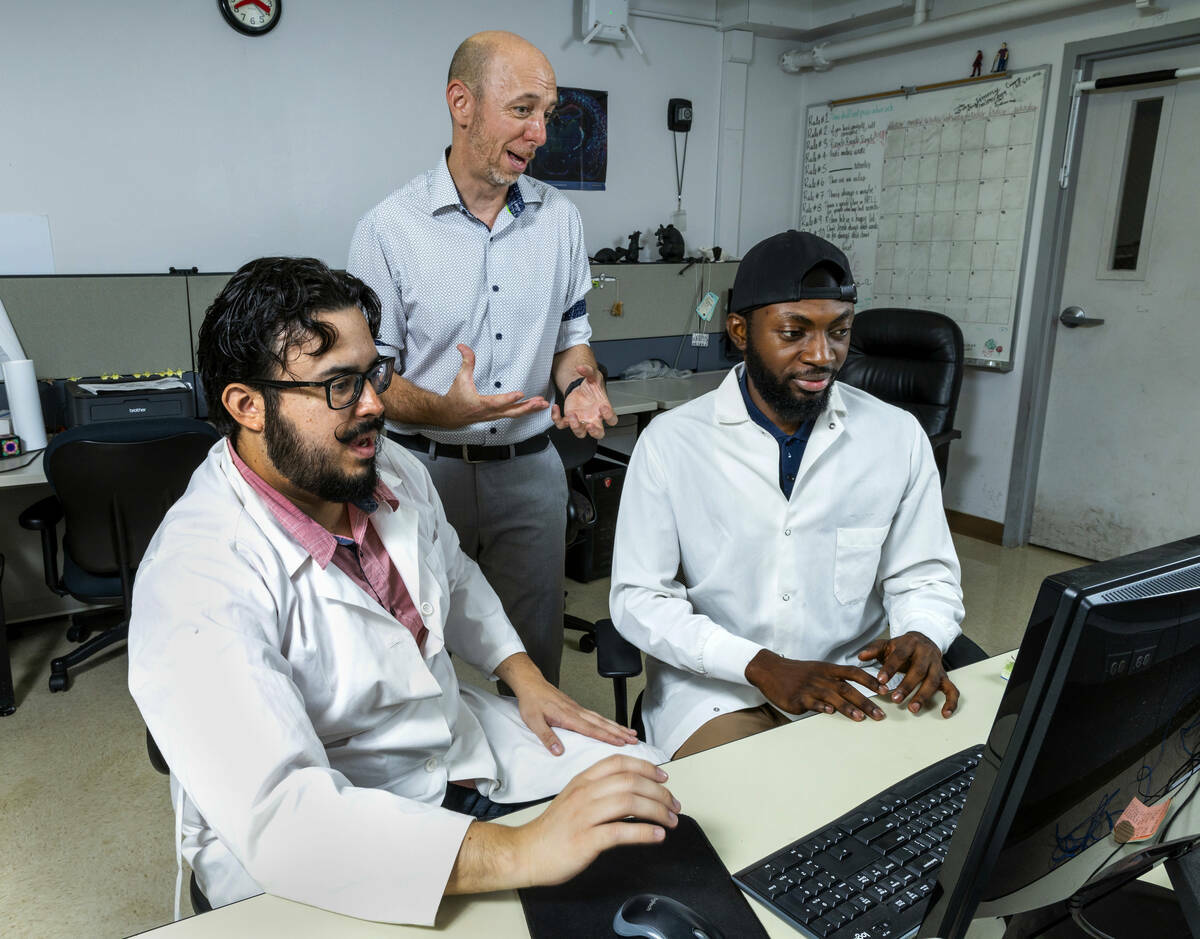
column 684, row 867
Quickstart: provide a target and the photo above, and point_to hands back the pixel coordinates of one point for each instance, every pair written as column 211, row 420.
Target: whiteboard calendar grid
column 929, row 197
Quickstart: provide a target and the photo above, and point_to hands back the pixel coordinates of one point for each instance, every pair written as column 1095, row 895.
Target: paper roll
column 10, row 345
column 25, row 404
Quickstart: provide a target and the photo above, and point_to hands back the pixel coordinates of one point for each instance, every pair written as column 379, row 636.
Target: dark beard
column 305, row 467
column 790, row 405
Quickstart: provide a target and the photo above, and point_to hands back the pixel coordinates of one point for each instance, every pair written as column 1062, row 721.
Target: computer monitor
column 1103, row 704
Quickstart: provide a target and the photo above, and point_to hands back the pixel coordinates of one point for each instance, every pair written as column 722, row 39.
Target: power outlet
column 699, row 339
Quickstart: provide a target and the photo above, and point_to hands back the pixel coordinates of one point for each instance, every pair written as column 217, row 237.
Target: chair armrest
column 42, row 515
column 616, row 656
column 939, row 440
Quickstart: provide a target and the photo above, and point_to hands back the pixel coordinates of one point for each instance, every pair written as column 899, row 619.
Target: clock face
column 252, row 17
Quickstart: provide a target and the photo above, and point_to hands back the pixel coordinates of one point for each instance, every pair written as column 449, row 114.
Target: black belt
column 471, row 452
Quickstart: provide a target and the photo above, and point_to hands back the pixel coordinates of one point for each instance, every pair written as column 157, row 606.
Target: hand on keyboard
column 919, row 658
column 795, row 686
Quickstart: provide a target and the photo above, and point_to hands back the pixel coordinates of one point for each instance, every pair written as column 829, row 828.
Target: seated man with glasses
column 290, row 645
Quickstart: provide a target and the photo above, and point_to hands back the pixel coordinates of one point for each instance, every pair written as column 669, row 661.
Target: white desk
column 750, row 797
column 30, row 474
column 644, row 396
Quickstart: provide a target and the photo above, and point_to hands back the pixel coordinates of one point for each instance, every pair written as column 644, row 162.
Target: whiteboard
column 929, row 196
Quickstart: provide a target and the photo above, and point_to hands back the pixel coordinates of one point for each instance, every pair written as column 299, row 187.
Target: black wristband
column 571, row 387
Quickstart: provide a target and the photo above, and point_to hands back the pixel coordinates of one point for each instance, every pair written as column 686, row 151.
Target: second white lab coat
column 712, row 562
column 311, row 738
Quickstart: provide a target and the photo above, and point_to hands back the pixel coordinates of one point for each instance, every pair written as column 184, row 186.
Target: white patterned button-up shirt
column 513, row 293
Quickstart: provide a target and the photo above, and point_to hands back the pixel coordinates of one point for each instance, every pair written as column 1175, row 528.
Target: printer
column 91, row 401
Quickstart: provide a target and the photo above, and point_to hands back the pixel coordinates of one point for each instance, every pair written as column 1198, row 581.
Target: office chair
column 113, row 483
column 914, row 360
column 619, row 659
column 581, row 511
column 200, row 902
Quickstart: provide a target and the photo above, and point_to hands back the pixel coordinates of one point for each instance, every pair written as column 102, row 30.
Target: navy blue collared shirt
column 791, row 448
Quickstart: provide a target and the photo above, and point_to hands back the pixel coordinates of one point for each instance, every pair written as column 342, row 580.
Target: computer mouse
column 656, row 917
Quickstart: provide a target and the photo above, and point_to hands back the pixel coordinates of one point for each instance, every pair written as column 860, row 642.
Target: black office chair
column 200, row 902
column 914, row 360
column 581, row 511
column 113, row 483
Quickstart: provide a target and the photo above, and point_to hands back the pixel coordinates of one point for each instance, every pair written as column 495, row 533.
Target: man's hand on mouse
column 919, row 658
column 578, row 825
column 585, row 819
column 797, row 686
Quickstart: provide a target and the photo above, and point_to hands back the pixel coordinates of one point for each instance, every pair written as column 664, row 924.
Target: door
column 1120, row 458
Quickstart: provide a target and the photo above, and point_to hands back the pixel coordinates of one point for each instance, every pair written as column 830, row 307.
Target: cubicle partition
column 120, row 324
column 104, row 324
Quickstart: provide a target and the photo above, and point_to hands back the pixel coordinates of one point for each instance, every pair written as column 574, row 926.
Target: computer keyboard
column 870, row 873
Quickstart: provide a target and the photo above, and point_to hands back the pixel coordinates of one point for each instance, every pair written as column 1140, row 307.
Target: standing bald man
column 481, row 272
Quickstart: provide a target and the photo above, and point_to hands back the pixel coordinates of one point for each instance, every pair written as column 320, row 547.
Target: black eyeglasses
column 342, row 391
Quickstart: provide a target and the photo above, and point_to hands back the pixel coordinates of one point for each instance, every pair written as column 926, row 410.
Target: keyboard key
column 893, row 883
column 838, row 916
column 876, row 831
column 893, row 839
column 831, row 836
column 925, row 863
column 887, row 865
column 904, row 854
column 851, row 857
column 878, row 892
column 877, row 870
column 862, row 902
column 849, row 911
column 855, row 823
column 799, row 909
column 823, row 926
column 841, row 890
column 883, row 930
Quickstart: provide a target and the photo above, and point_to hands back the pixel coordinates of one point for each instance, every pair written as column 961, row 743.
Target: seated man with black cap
column 780, row 533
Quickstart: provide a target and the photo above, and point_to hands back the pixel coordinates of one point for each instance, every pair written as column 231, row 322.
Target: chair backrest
column 914, row 360
column 116, row 481
column 910, row 358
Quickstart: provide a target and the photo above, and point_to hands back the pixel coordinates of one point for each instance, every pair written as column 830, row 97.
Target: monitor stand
column 1119, row 909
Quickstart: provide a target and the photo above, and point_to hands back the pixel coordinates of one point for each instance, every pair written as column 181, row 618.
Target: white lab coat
column 713, row 563
column 311, row 737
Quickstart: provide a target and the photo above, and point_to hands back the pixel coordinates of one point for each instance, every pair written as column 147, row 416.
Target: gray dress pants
column 511, row 517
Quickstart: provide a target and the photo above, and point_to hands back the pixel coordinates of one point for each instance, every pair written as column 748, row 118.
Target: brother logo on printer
column 137, row 410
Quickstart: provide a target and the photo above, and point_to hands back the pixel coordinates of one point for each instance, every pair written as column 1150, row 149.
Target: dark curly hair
column 268, row 308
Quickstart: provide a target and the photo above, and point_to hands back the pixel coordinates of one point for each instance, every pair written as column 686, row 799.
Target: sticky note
column 1138, row 822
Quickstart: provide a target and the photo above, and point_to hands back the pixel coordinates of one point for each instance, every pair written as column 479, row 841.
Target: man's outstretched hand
column 463, row 404
column 919, row 658
column 586, row 409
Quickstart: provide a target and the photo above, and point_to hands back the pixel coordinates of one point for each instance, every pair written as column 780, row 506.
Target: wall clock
column 252, row 17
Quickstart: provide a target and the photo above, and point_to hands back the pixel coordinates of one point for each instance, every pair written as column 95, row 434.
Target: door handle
column 1073, row 316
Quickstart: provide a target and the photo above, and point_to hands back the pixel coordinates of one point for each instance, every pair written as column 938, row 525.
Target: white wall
column 980, row 463
column 153, row 135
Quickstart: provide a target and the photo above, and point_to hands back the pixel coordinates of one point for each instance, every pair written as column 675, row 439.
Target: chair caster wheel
column 8, row 710
column 58, row 683
column 78, row 633
column 587, row 643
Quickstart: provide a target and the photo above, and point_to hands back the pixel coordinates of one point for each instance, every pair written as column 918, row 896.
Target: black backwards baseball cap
column 773, row 271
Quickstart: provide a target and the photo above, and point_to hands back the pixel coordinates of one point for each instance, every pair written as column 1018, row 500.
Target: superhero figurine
column 1000, row 62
